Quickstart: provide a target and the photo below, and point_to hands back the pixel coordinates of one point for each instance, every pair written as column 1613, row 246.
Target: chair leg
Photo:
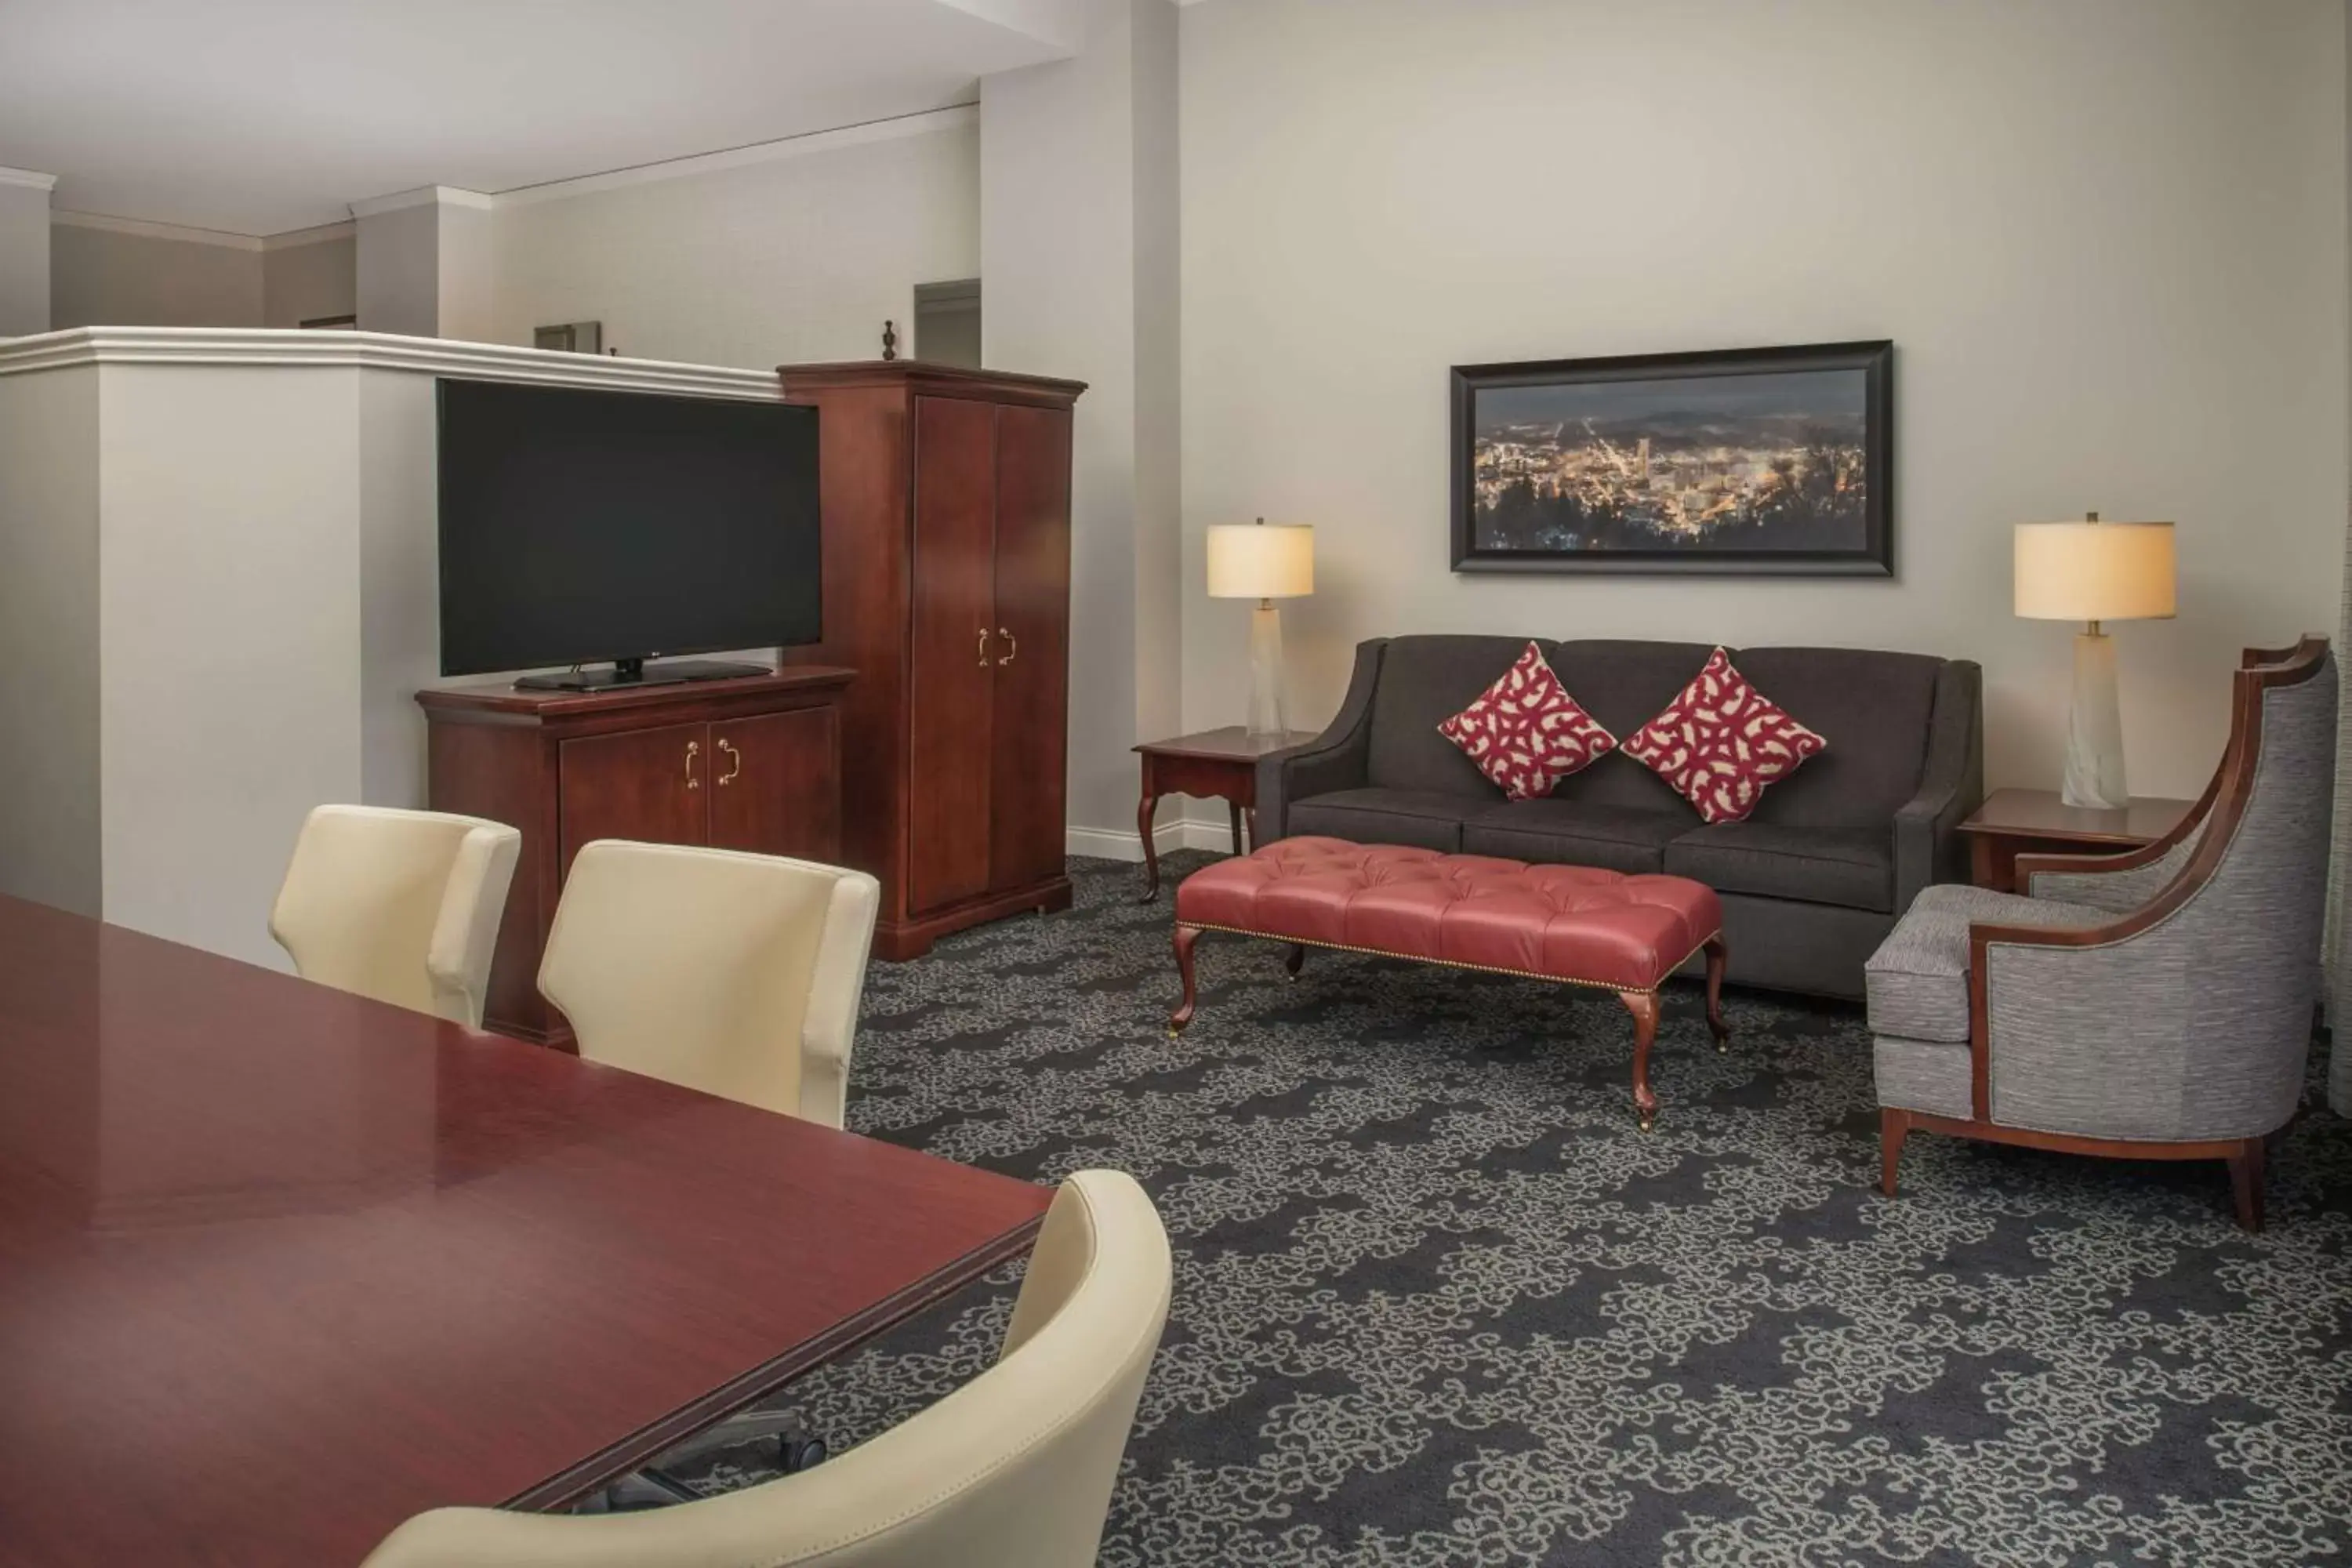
column 1893, row 1126
column 1644, row 1006
column 2246, row 1183
column 1293, row 959
column 1185, row 937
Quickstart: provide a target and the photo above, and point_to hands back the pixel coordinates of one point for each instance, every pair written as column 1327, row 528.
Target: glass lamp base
column 2094, row 730
column 1265, row 715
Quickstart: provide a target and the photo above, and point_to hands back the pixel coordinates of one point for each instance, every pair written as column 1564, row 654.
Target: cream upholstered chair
column 1015, row 1470
column 737, row 974
column 401, row 906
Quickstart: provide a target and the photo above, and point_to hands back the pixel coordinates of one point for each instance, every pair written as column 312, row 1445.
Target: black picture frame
column 1872, row 556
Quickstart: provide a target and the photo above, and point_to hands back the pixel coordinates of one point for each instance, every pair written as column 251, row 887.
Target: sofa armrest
column 1951, row 785
column 1336, row 758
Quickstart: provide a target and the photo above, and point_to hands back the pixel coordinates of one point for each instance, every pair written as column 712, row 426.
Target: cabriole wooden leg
column 1143, row 815
column 1893, row 1126
column 2246, row 1183
column 1715, row 954
column 1644, row 1006
column 1185, row 937
column 1293, row 959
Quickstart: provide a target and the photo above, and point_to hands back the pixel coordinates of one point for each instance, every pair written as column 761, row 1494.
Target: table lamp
column 2095, row 572
column 1252, row 561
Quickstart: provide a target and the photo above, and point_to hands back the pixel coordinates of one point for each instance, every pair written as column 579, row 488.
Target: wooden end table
column 2013, row 822
column 1212, row 762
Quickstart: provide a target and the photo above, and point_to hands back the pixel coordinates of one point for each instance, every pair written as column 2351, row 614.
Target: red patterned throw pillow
column 1526, row 732
column 1721, row 742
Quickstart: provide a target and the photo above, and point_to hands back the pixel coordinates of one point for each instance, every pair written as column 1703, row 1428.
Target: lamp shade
column 1261, row 560
column 2094, row 571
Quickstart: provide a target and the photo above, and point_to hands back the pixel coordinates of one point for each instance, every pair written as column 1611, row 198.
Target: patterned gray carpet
column 1438, row 1301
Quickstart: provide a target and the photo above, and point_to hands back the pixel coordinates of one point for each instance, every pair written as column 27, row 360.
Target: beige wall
column 100, row 276
column 466, row 244
column 793, row 258
column 1079, row 224
column 48, row 639
column 312, row 281
column 228, row 591
column 396, row 270
column 217, row 599
column 2107, row 238
column 24, row 254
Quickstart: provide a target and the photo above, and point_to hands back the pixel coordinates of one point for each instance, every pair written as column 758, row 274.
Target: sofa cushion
column 1847, row 866
column 1425, row 680
column 1917, row 981
column 1622, row 684
column 1872, row 708
column 1721, row 742
column 1526, row 732
column 1425, row 819
column 1569, row 833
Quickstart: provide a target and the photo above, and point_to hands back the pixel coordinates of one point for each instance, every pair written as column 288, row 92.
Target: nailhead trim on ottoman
column 1576, row 924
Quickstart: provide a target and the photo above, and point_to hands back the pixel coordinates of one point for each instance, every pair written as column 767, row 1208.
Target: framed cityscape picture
column 1777, row 462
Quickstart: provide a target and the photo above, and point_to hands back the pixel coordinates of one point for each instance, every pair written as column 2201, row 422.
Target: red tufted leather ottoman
column 1570, row 923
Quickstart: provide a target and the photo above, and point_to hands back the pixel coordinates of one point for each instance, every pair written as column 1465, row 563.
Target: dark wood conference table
column 281, row 1267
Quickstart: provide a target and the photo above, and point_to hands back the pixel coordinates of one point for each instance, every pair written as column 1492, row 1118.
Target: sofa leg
column 1185, row 937
column 1293, row 959
column 1715, row 956
column 2246, row 1183
column 1893, row 1126
column 1644, row 1006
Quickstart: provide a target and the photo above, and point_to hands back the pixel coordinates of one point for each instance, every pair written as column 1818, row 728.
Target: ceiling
column 255, row 117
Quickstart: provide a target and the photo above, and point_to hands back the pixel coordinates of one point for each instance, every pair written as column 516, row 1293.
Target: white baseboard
column 1126, row 844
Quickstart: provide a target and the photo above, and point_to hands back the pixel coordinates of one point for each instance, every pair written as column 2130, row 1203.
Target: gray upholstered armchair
column 2150, row 1005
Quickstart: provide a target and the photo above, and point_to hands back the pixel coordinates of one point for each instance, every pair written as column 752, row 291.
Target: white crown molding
column 929, row 122
column 424, row 196
column 956, row 117
column 145, row 229
column 148, row 228
column 373, row 351
column 318, row 236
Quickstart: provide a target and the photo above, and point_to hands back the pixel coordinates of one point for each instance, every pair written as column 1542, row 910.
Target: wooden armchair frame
column 2219, row 810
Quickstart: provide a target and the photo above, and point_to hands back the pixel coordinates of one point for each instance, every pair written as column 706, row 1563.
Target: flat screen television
column 580, row 526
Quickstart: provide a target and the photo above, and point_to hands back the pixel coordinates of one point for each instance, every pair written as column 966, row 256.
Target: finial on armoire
column 889, row 340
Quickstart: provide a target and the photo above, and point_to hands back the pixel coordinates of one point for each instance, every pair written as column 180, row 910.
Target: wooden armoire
column 946, row 502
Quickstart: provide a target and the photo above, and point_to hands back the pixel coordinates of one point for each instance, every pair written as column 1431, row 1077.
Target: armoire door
column 647, row 784
column 1028, row 830
column 952, row 652
column 775, row 784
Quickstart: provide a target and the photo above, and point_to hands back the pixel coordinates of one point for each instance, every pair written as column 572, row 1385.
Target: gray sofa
column 1810, row 884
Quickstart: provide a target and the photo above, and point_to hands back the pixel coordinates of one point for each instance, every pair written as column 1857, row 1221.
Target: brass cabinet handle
column 1013, row 645
column 693, row 750
column 983, row 647
column 735, row 759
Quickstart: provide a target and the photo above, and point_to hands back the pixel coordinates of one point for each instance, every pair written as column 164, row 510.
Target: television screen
column 580, row 525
